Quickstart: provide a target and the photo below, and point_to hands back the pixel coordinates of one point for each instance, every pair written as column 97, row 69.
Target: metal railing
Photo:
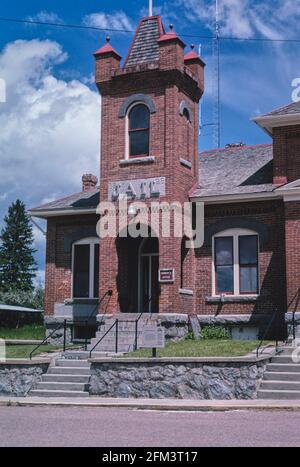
column 116, row 325
column 64, row 325
column 295, row 299
column 271, row 322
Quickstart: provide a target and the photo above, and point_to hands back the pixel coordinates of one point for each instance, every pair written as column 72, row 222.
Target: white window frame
column 235, row 234
column 127, row 140
column 92, row 241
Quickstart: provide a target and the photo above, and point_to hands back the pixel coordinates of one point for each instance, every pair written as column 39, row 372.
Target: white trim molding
column 268, row 122
column 290, row 192
column 60, row 212
column 240, row 197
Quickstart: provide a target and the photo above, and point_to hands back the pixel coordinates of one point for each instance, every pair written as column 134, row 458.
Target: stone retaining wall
column 221, row 379
column 18, row 378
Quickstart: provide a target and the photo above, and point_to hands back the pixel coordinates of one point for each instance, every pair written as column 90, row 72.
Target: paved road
column 105, row 427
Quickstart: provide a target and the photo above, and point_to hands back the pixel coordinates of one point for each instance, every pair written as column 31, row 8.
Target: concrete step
column 288, row 350
column 71, row 362
column 284, row 367
column 281, row 376
column 84, row 355
column 64, row 370
column 280, row 385
column 273, row 394
column 59, row 386
column 282, row 359
column 49, row 393
column 65, row 378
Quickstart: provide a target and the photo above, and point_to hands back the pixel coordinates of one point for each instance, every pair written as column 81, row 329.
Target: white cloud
column 274, row 19
column 117, row 20
column 46, row 17
column 49, row 127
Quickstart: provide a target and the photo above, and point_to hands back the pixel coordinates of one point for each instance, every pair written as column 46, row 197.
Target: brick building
column 249, row 266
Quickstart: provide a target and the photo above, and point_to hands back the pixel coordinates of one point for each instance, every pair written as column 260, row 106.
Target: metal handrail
column 47, row 337
column 296, row 298
column 109, row 293
column 138, row 320
column 275, row 315
column 64, row 325
column 116, row 324
column 101, row 339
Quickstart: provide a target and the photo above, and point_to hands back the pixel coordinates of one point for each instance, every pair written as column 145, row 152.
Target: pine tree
column 17, row 264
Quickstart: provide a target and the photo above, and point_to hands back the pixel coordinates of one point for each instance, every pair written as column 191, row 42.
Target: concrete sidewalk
column 154, row 404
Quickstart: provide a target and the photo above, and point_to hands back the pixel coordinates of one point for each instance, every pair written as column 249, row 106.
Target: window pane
column 248, row 249
column 96, row 272
column 248, row 279
column 81, row 271
column 224, row 251
column 224, row 279
column 139, row 117
column 139, row 143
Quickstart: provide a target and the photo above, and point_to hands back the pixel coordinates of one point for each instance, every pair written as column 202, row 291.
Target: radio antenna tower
column 150, row 8
column 216, row 81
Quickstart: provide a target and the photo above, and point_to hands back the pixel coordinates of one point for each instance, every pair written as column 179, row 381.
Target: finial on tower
column 108, row 39
column 171, row 27
column 150, row 8
column 192, row 46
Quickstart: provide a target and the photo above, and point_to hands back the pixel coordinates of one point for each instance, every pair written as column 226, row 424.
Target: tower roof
column 107, row 49
column 144, row 47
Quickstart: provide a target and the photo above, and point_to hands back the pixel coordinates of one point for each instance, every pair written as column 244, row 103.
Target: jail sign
column 137, row 189
column 153, row 337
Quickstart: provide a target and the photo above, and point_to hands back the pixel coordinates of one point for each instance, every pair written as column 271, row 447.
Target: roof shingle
column 145, row 48
column 238, row 170
column 290, row 109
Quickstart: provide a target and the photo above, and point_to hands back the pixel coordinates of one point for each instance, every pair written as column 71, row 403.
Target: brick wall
column 292, row 241
column 271, row 260
column 58, row 285
column 286, row 154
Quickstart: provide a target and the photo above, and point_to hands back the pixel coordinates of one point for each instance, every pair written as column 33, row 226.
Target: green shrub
column 215, row 332
column 190, row 336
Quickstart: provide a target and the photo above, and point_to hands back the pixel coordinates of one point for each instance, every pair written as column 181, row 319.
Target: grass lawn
column 23, row 351
column 201, row 348
column 30, row 332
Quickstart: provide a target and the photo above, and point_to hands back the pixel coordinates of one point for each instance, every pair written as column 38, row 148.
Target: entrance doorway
column 148, row 276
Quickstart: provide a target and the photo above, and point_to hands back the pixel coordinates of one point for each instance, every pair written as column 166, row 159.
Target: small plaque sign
column 166, row 275
column 153, row 337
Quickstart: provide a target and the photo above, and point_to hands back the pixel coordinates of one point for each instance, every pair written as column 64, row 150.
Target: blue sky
column 50, row 122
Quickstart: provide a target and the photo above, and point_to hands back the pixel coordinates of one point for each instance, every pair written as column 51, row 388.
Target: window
column 186, row 134
column 139, row 131
column 85, row 261
column 235, row 263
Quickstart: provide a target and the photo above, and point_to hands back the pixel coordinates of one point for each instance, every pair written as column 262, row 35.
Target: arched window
column 85, row 268
column 139, row 131
column 235, row 263
column 186, row 133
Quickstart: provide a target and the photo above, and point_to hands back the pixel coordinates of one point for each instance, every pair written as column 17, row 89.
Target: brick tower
column 149, row 152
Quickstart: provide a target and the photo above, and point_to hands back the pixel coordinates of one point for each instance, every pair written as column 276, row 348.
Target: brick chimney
column 89, row 182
